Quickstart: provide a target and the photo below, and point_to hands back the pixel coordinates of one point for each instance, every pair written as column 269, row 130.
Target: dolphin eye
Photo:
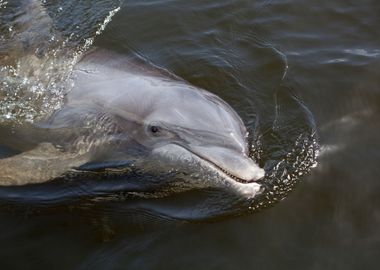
column 157, row 130
column 154, row 129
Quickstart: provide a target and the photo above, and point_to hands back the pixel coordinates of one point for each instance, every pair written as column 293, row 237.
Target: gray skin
column 121, row 104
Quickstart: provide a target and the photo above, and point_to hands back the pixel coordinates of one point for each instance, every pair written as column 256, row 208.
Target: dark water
column 285, row 64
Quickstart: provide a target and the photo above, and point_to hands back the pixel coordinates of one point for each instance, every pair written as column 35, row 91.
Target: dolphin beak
column 233, row 163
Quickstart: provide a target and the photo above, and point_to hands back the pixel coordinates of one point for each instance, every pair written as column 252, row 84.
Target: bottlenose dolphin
column 125, row 104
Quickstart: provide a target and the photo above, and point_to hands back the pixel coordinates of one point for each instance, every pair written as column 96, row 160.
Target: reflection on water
column 297, row 72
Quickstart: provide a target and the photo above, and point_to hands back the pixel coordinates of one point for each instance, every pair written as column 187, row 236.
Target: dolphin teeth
column 237, row 179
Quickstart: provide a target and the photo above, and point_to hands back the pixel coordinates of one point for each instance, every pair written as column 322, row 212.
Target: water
column 302, row 70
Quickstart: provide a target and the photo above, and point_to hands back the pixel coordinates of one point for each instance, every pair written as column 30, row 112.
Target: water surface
column 302, row 70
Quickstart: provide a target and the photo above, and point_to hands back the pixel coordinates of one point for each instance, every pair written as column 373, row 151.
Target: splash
column 37, row 58
column 289, row 149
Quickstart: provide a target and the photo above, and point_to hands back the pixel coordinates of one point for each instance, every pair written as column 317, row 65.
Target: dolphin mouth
column 220, row 169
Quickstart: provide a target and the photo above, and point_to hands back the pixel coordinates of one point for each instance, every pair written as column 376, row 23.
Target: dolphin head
column 205, row 128
column 190, row 125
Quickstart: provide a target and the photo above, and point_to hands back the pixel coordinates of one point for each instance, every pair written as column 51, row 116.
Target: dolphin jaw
column 249, row 175
column 234, row 163
column 249, row 178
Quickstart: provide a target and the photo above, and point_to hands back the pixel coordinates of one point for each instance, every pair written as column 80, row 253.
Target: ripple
column 364, row 52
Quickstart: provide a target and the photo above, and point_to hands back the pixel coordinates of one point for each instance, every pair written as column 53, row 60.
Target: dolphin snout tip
column 259, row 174
column 253, row 174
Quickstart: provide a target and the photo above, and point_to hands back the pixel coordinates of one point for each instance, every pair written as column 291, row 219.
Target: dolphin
column 124, row 106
